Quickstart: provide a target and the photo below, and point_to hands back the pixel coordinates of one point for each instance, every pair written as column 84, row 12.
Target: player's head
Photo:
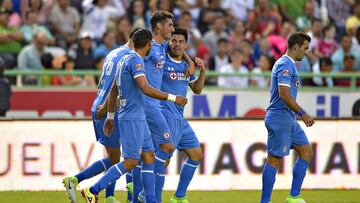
column 178, row 41
column 131, row 35
column 298, row 43
column 162, row 23
column 142, row 40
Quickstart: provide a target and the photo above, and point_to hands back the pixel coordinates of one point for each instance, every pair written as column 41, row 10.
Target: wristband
column 171, row 97
column 301, row 113
column 110, row 115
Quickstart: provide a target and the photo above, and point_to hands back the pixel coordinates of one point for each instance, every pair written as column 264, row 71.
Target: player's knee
column 148, row 157
column 274, row 161
column 114, row 159
column 167, row 147
column 197, row 155
column 306, row 154
column 130, row 164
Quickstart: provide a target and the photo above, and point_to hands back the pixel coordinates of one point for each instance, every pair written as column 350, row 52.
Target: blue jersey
column 108, row 75
column 130, row 67
column 175, row 82
column 154, row 63
column 283, row 73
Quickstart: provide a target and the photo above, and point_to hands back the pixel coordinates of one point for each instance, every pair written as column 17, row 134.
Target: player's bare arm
column 191, row 67
column 101, row 110
column 198, row 85
column 157, row 94
column 284, row 93
column 109, row 123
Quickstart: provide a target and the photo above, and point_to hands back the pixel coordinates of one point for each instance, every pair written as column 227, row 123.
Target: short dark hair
column 297, row 38
column 131, row 35
column 159, row 17
column 181, row 31
column 325, row 61
column 328, row 27
column 222, row 40
column 141, row 38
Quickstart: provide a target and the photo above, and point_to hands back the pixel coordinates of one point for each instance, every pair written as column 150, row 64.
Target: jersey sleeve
column 136, row 67
column 192, row 79
column 284, row 75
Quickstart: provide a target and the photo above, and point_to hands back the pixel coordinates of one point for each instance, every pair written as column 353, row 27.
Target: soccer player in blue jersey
column 284, row 132
column 112, row 143
column 182, row 135
column 136, row 142
column 161, row 28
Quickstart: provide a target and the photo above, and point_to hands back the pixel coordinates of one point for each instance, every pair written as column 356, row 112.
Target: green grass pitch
column 311, row 196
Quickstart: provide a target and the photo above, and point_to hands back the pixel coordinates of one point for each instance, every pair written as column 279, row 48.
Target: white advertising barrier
column 36, row 155
column 225, row 104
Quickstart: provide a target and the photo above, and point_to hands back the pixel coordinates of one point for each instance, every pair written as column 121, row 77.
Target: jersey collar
column 290, row 58
column 173, row 60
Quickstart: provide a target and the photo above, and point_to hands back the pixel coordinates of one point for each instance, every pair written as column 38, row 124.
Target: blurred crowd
column 233, row 36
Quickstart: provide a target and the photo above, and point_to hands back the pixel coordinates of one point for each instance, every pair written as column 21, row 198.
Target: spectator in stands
column 5, row 90
column 208, row 15
column 239, row 9
column 237, row 34
column 345, row 49
column 108, row 44
column 82, row 53
column 166, row 5
column 235, row 66
column 261, row 47
column 220, row 59
column 29, row 57
column 65, row 21
column 42, row 8
column 265, row 65
column 123, row 29
column 349, row 67
column 137, row 14
column 353, row 22
column 323, row 66
column 338, row 12
column 212, row 36
column 303, row 22
column 194, row 40
column 327, row 45
column 291, row 10
column 356, row 40
column 14, row 19
column 10, row 40
column 316, row 34
column 67, row 64
column 278, row 43
column 248, row 60
column 31, row 27
column 96, row 17
column 263, row 21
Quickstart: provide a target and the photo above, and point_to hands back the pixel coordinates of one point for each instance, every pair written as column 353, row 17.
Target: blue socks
column 136, row 177
column 94, row 169
column 114, row 173
column 299, row 173
column 186, row 174
column 129, row 180
column 268, row 180
column 148, row 180
column 160, row 170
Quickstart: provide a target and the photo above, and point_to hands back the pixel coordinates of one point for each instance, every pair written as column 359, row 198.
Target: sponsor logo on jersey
column 285, row 72
column 138, row 66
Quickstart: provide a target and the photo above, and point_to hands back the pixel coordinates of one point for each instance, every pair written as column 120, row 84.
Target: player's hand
column 308, row 120
column 181, row 100
column 100, row 112
column 199, row 62
column 108, row 127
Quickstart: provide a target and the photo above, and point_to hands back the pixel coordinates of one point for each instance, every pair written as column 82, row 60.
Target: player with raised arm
column 112, row 143
column 136, row 142
column 183, row 136
column 284, row 132
column 161, row 29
